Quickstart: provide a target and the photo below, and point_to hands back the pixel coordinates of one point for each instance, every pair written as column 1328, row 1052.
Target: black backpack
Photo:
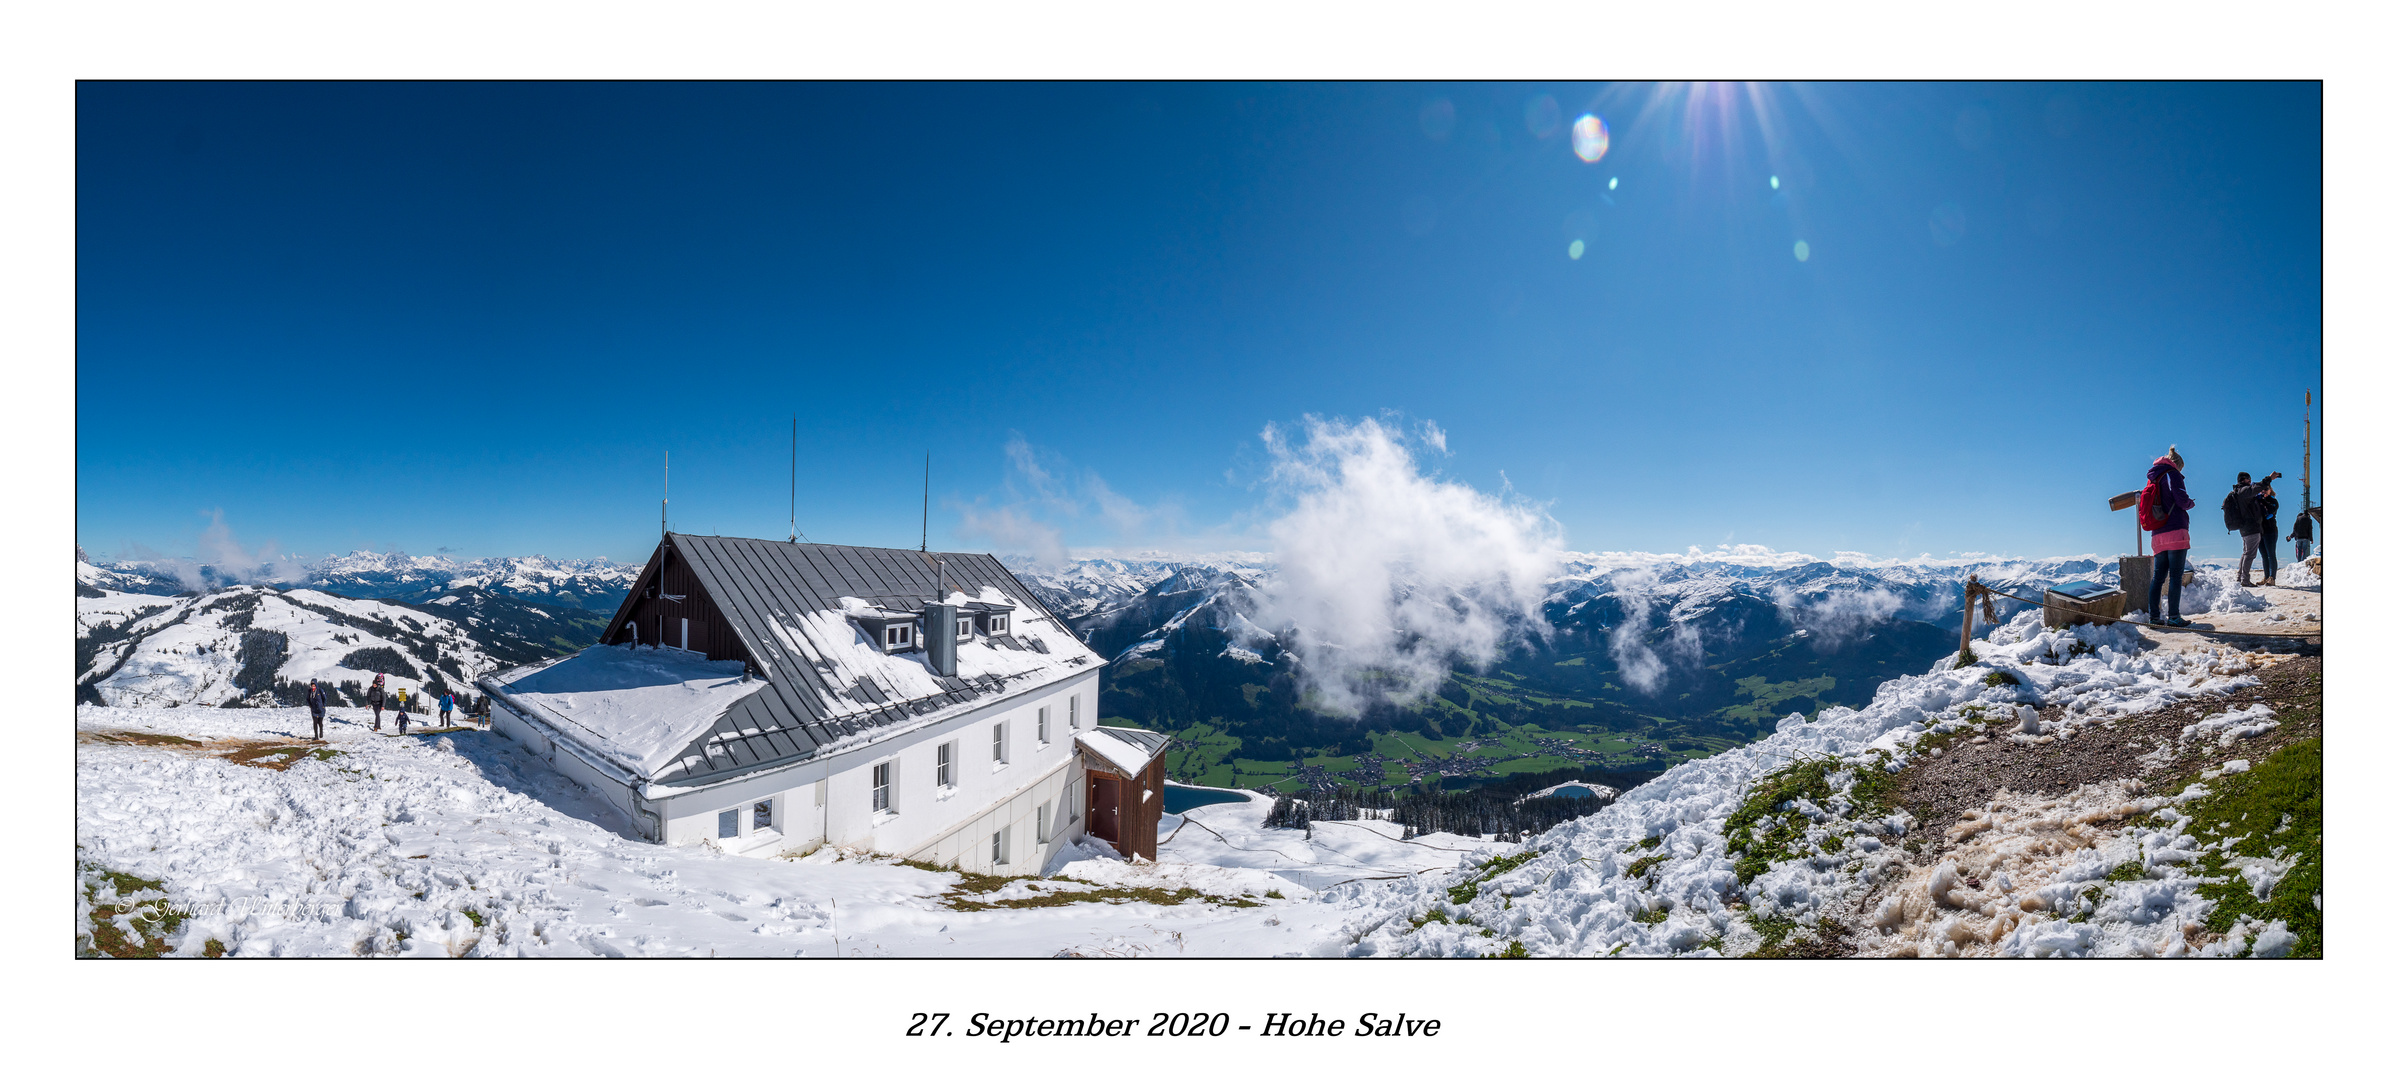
column 2237, row 509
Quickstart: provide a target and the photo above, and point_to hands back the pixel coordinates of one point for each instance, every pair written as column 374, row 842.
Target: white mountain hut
column 773, row 697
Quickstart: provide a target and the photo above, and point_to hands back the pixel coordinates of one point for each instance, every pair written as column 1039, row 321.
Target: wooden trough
column 2074, row 602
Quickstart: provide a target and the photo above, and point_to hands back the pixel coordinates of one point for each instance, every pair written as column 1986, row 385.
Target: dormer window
column 966, row 629
column 998, row 621
column 898, row 636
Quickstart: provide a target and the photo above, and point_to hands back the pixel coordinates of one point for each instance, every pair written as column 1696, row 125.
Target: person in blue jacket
column 2171, row 542
column 447, row 701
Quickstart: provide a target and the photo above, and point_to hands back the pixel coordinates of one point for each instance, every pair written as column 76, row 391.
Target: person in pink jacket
column 2171, row 542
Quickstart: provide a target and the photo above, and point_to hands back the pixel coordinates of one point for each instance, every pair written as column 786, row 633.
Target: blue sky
column 472, row 317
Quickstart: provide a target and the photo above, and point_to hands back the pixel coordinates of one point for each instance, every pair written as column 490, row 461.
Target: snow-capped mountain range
column 1134, row 604
column 140, row 640
column 593, row 584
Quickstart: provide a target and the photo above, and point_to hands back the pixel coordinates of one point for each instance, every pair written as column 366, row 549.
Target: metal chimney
column 941, row 639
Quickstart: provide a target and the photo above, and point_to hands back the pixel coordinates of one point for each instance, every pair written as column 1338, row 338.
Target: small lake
column 1180, row 798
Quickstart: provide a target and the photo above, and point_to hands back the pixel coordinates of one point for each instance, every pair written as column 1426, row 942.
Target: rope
column 1987, row 614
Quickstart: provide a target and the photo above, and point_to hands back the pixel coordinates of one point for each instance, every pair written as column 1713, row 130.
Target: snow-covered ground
column 1652, row 874
column 386, row 845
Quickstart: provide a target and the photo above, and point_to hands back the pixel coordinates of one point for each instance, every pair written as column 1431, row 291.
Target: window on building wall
column 999, row 622
column 1074, row 711
column 1041, row 824
column 729, row 824
column 883, row 786
column 762, row 814
column 945, row 762
column 1000, row 847
column 1041, row 725
column 966, row 629
column 1000, row 743
column 896, row 636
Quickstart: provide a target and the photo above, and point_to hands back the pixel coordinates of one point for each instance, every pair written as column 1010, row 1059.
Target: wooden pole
column 1966, row 623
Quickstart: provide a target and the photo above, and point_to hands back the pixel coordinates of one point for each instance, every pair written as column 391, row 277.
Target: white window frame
column 879, row 786
column 999, row 622
column 1000, row 744
column 1000, row 846
column 735, row 814
column 1041, row 725
column 945, row 765
column 1041, row 824
column 966, row 628
column 898, row 635
column 752, row 816
column 1074, row 712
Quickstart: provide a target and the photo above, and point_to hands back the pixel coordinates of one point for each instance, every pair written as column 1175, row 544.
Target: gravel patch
column 1967, row 775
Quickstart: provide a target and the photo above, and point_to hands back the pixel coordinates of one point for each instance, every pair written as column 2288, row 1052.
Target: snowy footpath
column 460, row 844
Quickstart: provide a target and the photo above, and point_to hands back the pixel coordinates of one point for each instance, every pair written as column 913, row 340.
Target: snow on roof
column 1119, row 747
column 638, row 707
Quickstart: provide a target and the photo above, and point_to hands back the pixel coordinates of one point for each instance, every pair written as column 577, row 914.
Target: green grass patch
column 963, row 896
column 1514, row 951
column 1766, row 829
column 1464, row 892
column 2276, row 810
column 153, row 920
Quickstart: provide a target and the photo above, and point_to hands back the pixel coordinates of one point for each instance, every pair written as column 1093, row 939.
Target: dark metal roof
column 769, row 589
column 1151, row 742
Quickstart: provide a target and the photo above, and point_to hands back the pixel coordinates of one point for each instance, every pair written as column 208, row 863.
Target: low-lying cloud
column 1040, row 491
column 1643, row 666
column 1386, row 575
column 221, row 559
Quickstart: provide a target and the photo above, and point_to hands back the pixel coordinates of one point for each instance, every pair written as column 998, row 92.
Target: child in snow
column 375, row 701
column 446, row 702
column 2172, row 540
column 2303, row 531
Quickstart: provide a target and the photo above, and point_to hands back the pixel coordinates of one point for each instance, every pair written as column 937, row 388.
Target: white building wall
column 925, row 821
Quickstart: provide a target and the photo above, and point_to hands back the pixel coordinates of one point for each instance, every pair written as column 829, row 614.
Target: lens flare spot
column 1774, row 183
column 1800, row 251
column 1947, row 224
column 1541, row 116
column 1612, row 183
column 1575, row 249
column 1591, row 139
column 1437, row 118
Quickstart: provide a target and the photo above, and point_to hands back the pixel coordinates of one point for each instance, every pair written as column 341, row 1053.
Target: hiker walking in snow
column 446, row 702
column 403, row 711
column 316, row 708
column 375, row 701
column 2303, row 531
column 2267, row 506
column 2165, row 509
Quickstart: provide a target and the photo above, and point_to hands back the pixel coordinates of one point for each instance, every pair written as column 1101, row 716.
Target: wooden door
column 1103, row 804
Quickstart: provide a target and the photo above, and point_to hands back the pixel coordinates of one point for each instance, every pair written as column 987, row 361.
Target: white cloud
column 1386, row 575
